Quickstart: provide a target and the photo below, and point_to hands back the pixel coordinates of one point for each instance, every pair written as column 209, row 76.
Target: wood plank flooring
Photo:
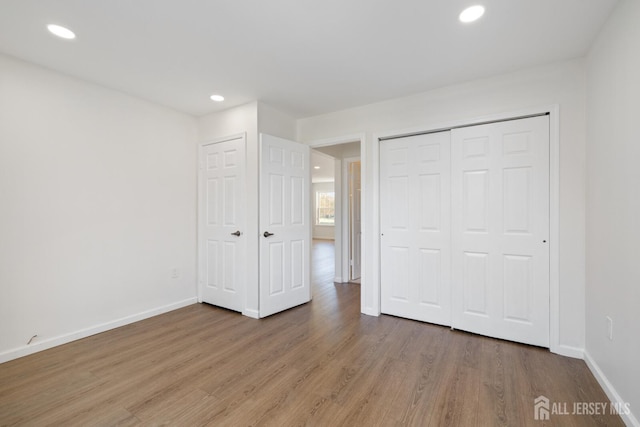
column 320, row 364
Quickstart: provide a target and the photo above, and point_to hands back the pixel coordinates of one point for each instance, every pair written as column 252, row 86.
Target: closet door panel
column 500, row 230
column 415, row 222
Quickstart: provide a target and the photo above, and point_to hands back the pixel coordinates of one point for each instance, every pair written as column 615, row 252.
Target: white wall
column 243, row 119
column 613, row 203
column 326, row 232
column 562, row 84
column 97, row 205
column 275, row 122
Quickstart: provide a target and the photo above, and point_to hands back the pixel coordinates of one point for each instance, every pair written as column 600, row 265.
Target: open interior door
column 285, row 240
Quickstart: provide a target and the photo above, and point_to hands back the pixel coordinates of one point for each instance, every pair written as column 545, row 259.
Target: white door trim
column 200, row 212
column 554, row 214
column 346, row 215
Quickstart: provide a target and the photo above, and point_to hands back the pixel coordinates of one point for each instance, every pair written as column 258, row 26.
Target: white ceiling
column 301, row 56
column 327, row 167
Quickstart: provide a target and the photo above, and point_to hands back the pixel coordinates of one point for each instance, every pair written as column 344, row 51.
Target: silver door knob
column 267, row 234
column 237, row 233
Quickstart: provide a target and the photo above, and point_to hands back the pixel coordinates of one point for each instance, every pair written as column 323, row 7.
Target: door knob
column 267, row 234
column 237, row 233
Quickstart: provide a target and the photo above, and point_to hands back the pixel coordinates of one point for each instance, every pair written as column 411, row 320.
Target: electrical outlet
column 609, row 328
column 175, row 273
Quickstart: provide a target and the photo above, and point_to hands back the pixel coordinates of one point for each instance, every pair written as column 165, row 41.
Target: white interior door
column 415, row 227
column 355, row 221
column 500, row 181
column 222, row 204
column 285, row 224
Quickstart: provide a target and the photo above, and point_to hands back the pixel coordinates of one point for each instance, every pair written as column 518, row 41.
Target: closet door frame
column 554, row 209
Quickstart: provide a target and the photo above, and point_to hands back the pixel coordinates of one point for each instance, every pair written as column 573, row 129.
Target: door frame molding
column 346, row 217
column 201, row 215
column 554, row 210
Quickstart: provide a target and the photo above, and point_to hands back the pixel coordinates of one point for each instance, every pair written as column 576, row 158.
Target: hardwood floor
column 321, row 364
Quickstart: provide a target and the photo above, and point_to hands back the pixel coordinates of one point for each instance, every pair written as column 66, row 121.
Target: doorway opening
column 336, row 201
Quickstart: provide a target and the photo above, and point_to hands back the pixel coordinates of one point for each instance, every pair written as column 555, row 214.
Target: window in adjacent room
column 325, row 208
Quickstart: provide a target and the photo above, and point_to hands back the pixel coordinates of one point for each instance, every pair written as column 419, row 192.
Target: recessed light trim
column 316, row 167
column 217, row 98
column 60, row 31
column 471, row 14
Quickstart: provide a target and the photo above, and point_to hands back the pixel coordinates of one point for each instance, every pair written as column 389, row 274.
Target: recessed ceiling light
column 217, row 98
column 316, row 167
column 61, row 32
column 472, row 13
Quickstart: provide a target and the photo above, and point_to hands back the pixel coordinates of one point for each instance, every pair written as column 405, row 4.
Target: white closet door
column 285, row 253
column 415, row 226
column 222, row 205
column 500, row 229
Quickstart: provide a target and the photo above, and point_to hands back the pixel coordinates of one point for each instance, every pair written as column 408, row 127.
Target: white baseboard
column 337, row 279
column 254, row 314
column 569, row 351
column 83, row 333
column 612, row 394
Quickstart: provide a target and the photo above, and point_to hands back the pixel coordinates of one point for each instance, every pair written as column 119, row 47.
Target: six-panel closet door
column 415, row 220
column 464, row 218
column 500, row 229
